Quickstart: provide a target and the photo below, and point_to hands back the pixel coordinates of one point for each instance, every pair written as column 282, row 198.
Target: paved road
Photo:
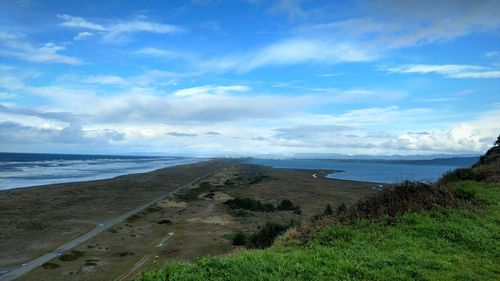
column 104, row 225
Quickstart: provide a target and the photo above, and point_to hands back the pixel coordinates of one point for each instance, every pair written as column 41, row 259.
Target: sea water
column 369, row 171
column 27, row 169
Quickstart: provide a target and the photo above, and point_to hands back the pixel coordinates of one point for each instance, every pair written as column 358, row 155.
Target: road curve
column 102, row 226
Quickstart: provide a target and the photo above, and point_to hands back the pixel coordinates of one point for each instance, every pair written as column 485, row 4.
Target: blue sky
column 249, row 77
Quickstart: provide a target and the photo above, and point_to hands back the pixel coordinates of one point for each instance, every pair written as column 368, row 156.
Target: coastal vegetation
column 257, row 206
column 412, row 231
column 263, row 238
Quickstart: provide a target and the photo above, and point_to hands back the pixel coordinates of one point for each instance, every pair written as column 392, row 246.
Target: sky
column 255, row 77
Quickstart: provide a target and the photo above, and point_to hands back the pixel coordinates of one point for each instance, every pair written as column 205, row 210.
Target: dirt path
column 136, row 266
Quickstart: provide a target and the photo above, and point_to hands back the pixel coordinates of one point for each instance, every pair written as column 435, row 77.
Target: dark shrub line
column 257, row 206
column 263, row 238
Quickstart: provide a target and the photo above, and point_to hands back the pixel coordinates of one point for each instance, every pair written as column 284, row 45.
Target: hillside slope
column 448, row 231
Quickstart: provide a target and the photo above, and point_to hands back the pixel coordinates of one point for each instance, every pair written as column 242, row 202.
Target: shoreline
column 107, row 178
column 39, row 217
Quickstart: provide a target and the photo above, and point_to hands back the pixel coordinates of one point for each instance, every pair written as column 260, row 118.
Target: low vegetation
column 413, row 231
column 72, row 255
column 249, row 204
column 193, row 193
column 257, row 206
column 263, row 238
column 487, row 169
column 50, row 265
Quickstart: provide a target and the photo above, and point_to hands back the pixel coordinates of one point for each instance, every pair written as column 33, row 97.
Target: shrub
column 328, row 210
column 287, row 205
column 241, row 213
column 257, row 206
column 341, row 208
column 249, row 204
column 239, row 239
column 402, row 198
column 50, row 265
column 457, row 175
column 165, row 221
column 465, row 194
column 265, row 236
column 71, row 256
column 191, row 194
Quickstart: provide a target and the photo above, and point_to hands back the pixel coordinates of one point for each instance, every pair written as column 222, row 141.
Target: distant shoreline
column 47, row 169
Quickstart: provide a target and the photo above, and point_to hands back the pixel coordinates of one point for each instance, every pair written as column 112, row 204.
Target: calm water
column 25, row 169
column 364, row 171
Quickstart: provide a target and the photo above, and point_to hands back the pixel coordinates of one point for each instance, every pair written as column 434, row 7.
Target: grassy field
column 445, row 243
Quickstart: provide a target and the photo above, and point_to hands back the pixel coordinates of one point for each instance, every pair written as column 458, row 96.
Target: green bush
column 50, row 265
column 328, row 210
column 465, row 194
column 287, row 205
column 249, row 204
column 239, row 239
column 265, row 236
column 258, row 206
column 72, row 255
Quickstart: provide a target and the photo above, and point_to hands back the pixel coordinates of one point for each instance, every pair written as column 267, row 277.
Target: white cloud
column 78, row 22
column 106, row 79
column 82, row 36
column 149, row 77
column 155, row 52
column 293, row 51
column 291, row 8
column 474, row 136
column 245, row 121
column 491, row 54
column 387, row 25
column 119, row 31
column 179, row 134
column 447, row 70
column 15, row 45
column 211, row 90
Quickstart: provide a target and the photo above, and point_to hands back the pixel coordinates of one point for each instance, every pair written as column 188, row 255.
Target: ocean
column 368, row 170
column 29, row 169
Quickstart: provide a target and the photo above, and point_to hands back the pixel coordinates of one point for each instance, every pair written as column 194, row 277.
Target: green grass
column 459, row 243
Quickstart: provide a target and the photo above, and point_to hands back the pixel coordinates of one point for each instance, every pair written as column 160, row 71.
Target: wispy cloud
column 79, row 22
column 447, row 70
column 106, row 79
column 293, row 51
column 291, row 8
column 211, row 90
column 148, row 77
column 491, row 54
column 389, row 25
column 155, row 52
column 82, row 36
column 17, row 46
column 119, row 31
column 178, row 134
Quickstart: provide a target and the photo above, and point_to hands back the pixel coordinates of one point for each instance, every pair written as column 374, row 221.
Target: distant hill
column 454, row 161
